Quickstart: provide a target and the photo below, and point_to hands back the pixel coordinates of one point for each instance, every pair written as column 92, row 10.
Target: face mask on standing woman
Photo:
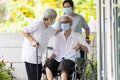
column 68, row 10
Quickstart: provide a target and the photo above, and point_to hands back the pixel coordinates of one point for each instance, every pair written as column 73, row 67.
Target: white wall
column 10, row 51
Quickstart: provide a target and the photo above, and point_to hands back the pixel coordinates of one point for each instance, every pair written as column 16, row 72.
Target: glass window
column 117, row 38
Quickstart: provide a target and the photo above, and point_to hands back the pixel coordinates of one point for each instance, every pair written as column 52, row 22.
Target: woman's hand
column 76, row 47
column 31, row 39
column 47, row 60
column 58, row 31
column 35, row 43
column 88, row 41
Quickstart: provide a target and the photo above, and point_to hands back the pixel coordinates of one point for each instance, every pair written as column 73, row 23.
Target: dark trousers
column 32, row 71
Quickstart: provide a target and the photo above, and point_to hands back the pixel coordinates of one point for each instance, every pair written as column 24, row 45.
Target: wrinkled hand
column 88, row 41
column 58, row 31
column 35, row 44
column 76, row 47
column 47, row 60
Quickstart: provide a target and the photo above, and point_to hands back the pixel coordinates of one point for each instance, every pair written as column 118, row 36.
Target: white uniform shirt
column 78, row 23
column 41, row 34
column 64, row 48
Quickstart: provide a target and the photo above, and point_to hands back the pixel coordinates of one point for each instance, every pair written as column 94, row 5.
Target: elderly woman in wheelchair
column 67, row 43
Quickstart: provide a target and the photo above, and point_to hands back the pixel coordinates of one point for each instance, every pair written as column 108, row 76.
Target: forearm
column 87, row 32
column 52, row 56
column 84, row 48
column 58, row 31
column 28, row 36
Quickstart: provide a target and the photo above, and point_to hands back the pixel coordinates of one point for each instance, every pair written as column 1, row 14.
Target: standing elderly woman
column 36, row 35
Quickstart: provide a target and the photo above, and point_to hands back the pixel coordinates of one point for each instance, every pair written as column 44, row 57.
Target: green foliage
column 6, row 72
column 20, row 13
column 86, row 8
column 89, row 70
column 118, row 8
column 95, row 67
column 2, row 11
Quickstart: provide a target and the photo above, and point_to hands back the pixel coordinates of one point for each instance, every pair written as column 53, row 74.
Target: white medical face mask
column 68, row 10
column 65, row 26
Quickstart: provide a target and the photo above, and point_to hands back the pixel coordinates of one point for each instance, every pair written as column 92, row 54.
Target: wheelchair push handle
column 50, row 48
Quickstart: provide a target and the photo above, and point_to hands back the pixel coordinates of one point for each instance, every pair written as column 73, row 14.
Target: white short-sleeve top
column 42, row 35
column 64, row 48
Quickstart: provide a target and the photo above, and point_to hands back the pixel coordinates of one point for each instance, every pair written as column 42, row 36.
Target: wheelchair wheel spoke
column 89, row 73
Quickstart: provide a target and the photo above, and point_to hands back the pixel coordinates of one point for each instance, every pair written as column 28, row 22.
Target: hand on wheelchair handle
column 47, row 60
column 88, row 41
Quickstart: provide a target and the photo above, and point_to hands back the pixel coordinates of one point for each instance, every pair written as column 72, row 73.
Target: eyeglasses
column 65, row 21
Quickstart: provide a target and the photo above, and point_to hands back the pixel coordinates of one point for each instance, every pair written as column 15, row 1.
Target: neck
column 46, row 23
column 72, row 14
column 67, row 33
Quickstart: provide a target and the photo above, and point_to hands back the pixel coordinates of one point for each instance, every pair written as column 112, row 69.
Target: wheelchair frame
column 80, row 67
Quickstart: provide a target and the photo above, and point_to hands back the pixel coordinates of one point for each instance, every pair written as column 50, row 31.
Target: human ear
column 71, row 24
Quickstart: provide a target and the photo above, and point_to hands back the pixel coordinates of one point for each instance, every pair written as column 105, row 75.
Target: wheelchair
column 83, row 70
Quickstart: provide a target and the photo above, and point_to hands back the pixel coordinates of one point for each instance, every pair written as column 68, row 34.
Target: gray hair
column 68, row 17
column 50, row 12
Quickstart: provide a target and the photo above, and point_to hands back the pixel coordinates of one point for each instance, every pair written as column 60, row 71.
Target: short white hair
column 49, row 12
column 69, row 18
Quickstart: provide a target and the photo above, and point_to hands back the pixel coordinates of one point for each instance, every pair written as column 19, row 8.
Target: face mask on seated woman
column 65, row 26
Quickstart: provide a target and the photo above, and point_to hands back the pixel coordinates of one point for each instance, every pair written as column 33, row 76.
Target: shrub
column 6, row 72
column 95, row 70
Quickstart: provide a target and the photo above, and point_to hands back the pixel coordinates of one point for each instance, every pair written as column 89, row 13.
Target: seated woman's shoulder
column 76, row 33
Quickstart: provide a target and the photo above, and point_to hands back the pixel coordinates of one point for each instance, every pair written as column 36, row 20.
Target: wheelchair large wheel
column 88, row 71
